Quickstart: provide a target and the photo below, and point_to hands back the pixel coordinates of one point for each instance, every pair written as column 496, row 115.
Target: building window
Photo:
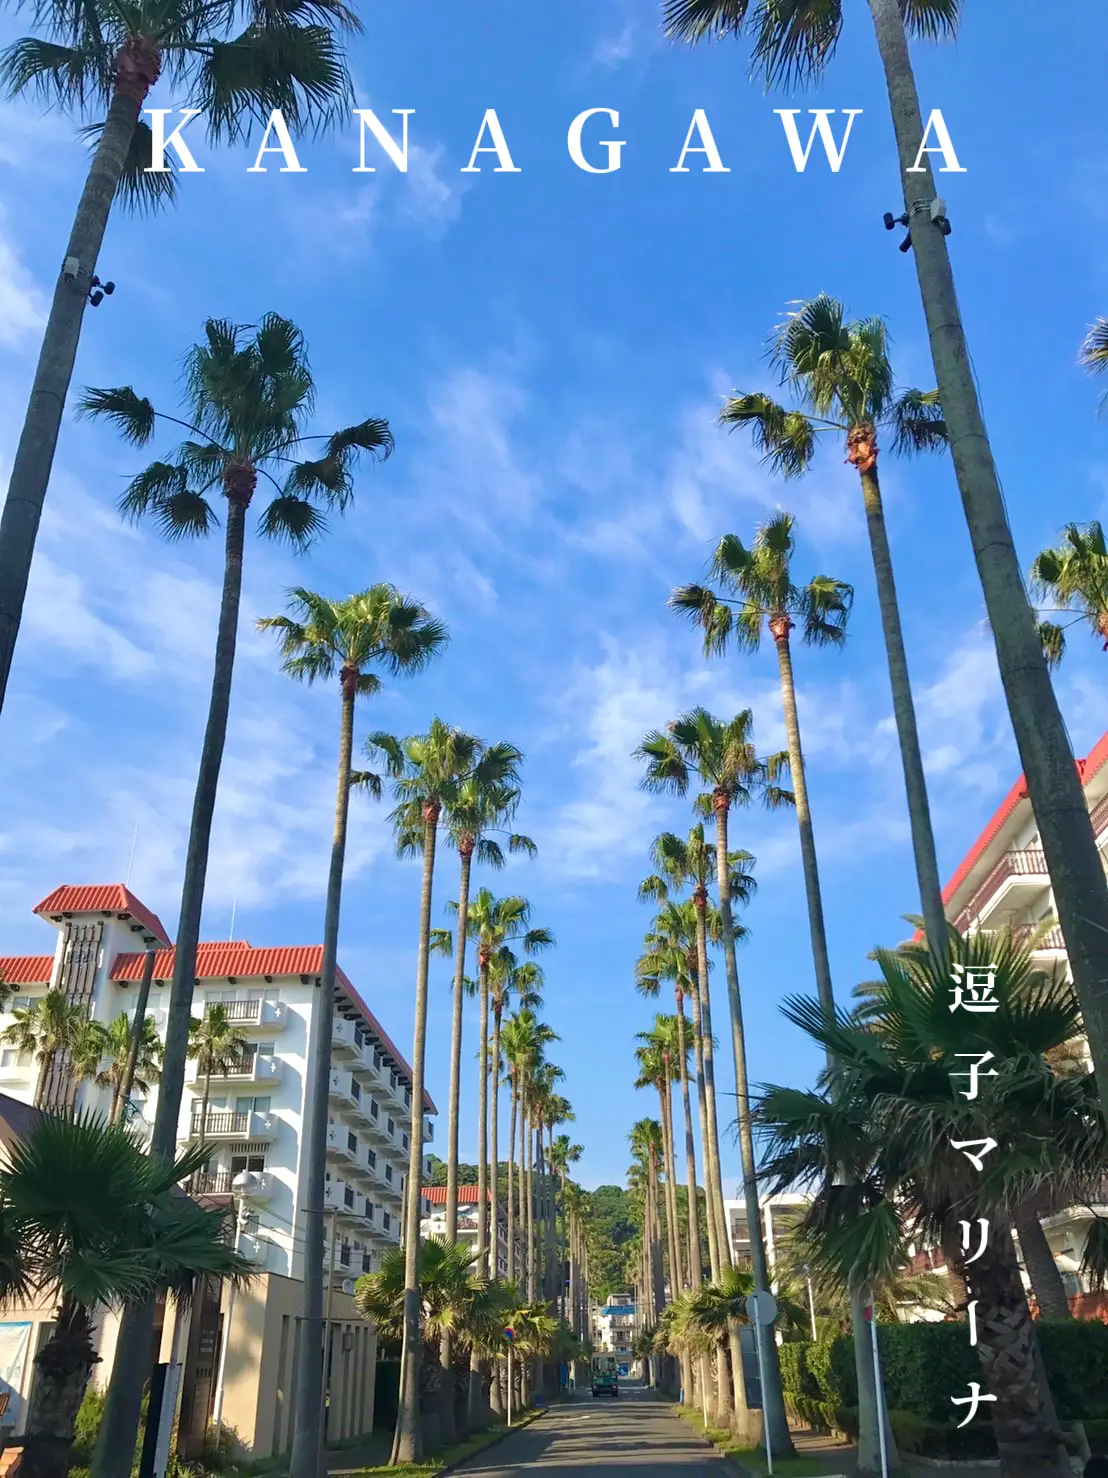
column 22, row 1003
column 388, row 1173
column 373, row 1109
column 371, row 1156
column 252, row 1105
column 352, row 1143
column 10, row 1057
column 252, row 1163
column 405, row 1140
column 391, row 1127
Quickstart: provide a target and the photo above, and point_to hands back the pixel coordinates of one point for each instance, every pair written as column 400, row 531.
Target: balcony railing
column 1052, row 939
column 1025, row 863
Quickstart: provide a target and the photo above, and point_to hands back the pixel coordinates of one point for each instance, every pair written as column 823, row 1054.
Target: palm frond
column 785, row 438
column 918, row 422
column 132, row 415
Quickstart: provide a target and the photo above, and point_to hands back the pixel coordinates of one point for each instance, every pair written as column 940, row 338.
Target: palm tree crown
column 1074, row 574
column 793, row 40
column 841, row 375
column 758, row 583
column 378, row 626
column 717, row 753
column 249, row 393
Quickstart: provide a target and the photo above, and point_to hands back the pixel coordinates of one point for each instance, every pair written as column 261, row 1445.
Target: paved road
column 610, row 1437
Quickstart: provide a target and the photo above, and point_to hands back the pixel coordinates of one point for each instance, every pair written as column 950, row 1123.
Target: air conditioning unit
column 348, row 1286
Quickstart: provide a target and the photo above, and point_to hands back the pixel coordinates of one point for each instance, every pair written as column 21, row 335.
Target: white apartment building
column 434, row 1224
column 780, row 1214
column 613, row 1329
column 256, row 1122
column 1002, row 881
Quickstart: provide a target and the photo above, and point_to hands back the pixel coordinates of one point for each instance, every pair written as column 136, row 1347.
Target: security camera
column 938, row 215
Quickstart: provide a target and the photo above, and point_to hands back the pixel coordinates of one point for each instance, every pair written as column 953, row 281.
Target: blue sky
column 550, row 349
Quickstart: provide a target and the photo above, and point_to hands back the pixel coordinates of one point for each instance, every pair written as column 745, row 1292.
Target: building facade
column 614, row 1328
column 1003, row 882
column 257, row 1117
column 434, row 1224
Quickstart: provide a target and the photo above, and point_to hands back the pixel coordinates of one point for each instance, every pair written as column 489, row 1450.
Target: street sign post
column 878, row 1389
column 762, row 1309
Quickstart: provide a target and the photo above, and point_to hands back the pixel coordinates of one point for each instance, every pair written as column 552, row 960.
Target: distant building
column 434, row 1223
column 258, row 1112
column 613, row 1329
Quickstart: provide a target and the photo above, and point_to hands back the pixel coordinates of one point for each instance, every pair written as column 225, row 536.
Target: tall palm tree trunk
column 780, row 627
column 137, row 68
column 773, row 1401
column 530, row 1234
column 446, row 1345
column 308, row 1434
column 512, row 1179
column 555, row 1280
column 407, row 1445
column 483, row 1124
column 695, row 1278
column 122, row 1090
column 702, row 1110
column 494, row 1147
column 1057, row 798
column 904, row 709
column 466, row 854
column 673, row 1231
column 712, row 1155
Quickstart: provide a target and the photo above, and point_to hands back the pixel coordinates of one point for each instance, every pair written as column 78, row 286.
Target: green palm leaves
column 755, row 586
column 793, row 40
column 249, row 394
column 840, row 373
column 718, row 754
column 376, row 627
column 1074, row 574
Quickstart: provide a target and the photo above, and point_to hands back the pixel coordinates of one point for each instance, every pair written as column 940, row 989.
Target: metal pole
column 811, row 1303
column 761, row 1383
column 879, row 1391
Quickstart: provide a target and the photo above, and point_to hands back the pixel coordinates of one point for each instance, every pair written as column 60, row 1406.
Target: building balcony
column 339, row 1146
column 1014, row 883
column 255, row 1068
column 224, row 1124
column 257, row 1014
column 428, row 1130
column 345, row 1091
column 221, row 1183
column 344, row 1045
column 1049, row 943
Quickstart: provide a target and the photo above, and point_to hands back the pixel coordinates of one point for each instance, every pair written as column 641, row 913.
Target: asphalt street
column 608, row 1437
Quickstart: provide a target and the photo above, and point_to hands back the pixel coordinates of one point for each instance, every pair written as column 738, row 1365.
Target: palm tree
column 690, row 926
column 217, row 1046
column 324, row 640
column 646, row 1145
column 890, row 1113
column 508, row 978
column 525, row 1039
column 89, row 1219
column 1094, row 347
column 1075, row 576
column 248, row 393
column 795, row 41
column 759, row 582
column 563, row 1154
column 116, row 1049
column 107, row 57
column 720, row 755
column 55, row 1030
column 491, row 923
column 485, row 802
column 658, row 1070
column 840, row 374
column 427, row 771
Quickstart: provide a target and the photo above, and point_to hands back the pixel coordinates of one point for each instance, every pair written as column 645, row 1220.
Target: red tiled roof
column 102, row 898
column 26, row 969
column 240, row 959
column 467, row 1195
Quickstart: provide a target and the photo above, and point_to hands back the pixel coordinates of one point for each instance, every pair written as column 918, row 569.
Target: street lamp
column 244, row 1183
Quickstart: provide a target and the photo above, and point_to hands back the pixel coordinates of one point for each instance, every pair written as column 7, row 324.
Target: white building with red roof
column 1003, row 882
column 256, row 1122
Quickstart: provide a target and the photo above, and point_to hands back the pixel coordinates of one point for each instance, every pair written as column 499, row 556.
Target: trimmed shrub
column 1075, row 1353
column 921, row 1437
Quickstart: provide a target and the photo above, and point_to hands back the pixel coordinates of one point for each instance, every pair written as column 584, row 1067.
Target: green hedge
column 924, row 1365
